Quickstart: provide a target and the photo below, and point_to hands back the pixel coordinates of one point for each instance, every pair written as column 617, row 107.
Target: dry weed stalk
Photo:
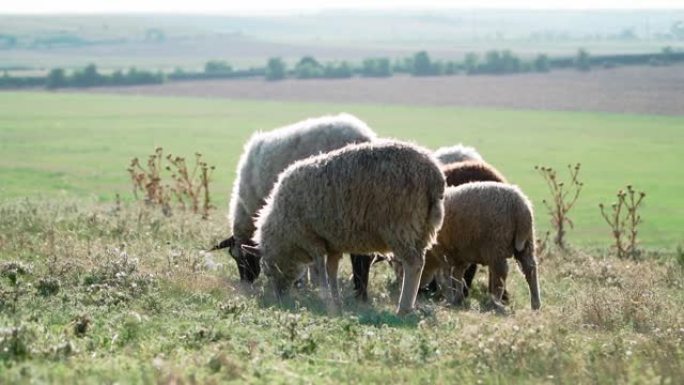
column 190, row 188
column 624, row 218
column 148, row 181
column 564, row 196
column 542, row 245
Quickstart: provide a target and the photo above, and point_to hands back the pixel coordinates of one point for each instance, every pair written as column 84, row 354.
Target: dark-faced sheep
column 457, row 153
column 265, row 156
column 484, row 223
column 383, row 196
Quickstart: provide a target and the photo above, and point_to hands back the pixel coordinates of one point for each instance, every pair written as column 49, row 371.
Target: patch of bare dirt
column 638, row 90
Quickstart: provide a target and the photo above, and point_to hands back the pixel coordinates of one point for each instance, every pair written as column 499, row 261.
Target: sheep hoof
column 405, row 312
column 497, row 307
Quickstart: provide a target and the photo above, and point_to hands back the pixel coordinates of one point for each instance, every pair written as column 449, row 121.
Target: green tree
column 217, row 67
column 56, row 79
column 88, row 77
column 308, row 68
column 338, row 70
column 275, row 69
column 376, row 67
column 470, row 63
column 582, row 61
column 422, row 66
column 541, row 63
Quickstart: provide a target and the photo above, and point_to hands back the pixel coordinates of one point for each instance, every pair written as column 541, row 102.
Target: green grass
column 80, row 311
column 64, row 145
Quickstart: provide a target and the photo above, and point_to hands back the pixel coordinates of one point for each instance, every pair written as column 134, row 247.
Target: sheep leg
column 332, row 265
column 412, row 263
column 468, row 276
column 361, row 269
column 498, row 272
column 319, row 274
column 529, row 267
column 505, row 297
column 451, row 281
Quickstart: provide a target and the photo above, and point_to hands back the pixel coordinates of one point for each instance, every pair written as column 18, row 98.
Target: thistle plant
column 189, row 187
column 147, row 181
column 624, row 219
column 563, row 198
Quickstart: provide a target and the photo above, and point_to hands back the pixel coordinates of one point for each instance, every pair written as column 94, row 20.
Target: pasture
column 94, row 291
column 56, row 146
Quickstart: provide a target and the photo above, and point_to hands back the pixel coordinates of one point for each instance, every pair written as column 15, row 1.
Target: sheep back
column 362, row 198
column 266, row 154
column 471, row 171
column 485, row 221
column 457, row 153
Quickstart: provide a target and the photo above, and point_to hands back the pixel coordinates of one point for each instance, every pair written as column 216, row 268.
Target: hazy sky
column 280, row 6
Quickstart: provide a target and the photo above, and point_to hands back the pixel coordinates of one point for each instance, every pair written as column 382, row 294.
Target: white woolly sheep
column 265, row 156
column 484, row 223
column 457, row 153
column 383, row 196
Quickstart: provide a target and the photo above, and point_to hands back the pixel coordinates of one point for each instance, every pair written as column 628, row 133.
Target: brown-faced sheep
column 484, row 223
column 457, row 153
column 384, row 196
column 265, row 156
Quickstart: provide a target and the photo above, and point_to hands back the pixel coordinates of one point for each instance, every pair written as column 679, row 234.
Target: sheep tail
column 523, row 230
column 436, row 214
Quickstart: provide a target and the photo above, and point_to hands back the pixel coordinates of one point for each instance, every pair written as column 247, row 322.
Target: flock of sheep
column 309, row 192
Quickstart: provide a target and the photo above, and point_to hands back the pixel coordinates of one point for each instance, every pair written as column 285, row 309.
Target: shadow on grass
column 310, row 300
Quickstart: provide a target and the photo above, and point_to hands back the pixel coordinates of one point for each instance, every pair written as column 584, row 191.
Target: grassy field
column 100, row 294
column 71, row 145
column 93, row 291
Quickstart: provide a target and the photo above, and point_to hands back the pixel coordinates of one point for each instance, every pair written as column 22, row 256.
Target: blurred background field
column 59, row 145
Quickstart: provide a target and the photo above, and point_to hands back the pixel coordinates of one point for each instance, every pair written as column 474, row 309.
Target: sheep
column 484, row 223
column 466, row 172
column 384, row 196
column 457, row 153
column 265, row 156
column 456, row 174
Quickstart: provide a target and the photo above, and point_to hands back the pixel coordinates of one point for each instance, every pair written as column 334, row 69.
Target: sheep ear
column 251, row 250
column 230, row 242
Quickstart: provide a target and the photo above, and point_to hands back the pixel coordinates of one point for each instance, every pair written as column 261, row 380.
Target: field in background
column 56, row 146
column 634, row 90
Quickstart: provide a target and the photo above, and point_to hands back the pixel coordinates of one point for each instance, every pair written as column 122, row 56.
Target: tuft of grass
column 134, row 292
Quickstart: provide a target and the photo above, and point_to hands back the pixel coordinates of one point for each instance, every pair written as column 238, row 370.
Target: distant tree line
column 215, row 69
column 90, row 77
column 495, row 62
column 83, row 78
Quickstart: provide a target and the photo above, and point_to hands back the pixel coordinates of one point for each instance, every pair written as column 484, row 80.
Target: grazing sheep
column 384, row 196
column 457, row 153
column 484, row 223
column 456, row 174
column 264, row 157
column 466, row 172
